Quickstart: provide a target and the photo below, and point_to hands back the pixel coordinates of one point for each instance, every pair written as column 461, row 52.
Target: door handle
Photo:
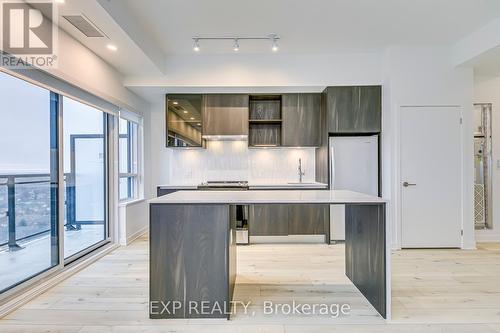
column 406, row 184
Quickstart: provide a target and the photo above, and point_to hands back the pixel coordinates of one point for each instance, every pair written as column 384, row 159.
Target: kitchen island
column 193, row 249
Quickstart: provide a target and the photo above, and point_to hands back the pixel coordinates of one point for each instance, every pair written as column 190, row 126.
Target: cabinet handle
column 406, row 184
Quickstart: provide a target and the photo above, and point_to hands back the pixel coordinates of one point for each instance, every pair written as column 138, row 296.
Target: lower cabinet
column 289, row 219
column 307, row 219
column 268, row 220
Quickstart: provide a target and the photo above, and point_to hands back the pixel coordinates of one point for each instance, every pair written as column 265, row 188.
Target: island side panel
column 232, row 258
column 366, row 252
column 189, row 259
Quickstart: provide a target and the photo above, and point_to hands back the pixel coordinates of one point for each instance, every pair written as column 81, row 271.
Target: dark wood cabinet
column 301, row 120
column 268, row 220
column 265, row 121
column 289, row 219
column 308, row 219
column 225, row 114
column 354, row 109
column 183, row 120
column 365, row 251
column 164, row 191
column 264, row 135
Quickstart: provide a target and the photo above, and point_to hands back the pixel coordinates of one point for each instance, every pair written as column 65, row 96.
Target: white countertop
column 255, row 186
column 256, row 196
column 291, row 185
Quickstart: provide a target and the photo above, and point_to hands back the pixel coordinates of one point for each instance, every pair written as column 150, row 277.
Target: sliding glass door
column 29, row 238
column 85, row 169
column 53, row 181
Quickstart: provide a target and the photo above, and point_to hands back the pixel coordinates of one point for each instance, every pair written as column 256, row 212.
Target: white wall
column 133, row 221
column 425, row 76
column 83, row 68
column 487, row 90
column 269, row 70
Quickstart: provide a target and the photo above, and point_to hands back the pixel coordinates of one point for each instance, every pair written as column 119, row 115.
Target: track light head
column 236, row 45
column 274, row 46
column 196, row 46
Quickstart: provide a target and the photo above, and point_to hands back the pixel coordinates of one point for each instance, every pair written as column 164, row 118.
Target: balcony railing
column 32, row 196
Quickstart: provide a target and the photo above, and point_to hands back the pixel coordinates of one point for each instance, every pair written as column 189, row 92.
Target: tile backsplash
column 233, row 160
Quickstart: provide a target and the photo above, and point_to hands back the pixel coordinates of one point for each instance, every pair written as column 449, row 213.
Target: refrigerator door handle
column 332, row 169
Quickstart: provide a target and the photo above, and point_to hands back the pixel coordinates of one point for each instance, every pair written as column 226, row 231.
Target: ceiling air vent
column 83, row 24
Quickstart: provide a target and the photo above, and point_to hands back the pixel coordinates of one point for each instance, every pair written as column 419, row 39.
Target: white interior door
column 431, row 207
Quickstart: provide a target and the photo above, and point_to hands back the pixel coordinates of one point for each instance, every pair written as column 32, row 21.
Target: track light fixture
column 273, row 38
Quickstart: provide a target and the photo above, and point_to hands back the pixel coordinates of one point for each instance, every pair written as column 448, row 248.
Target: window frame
column 133, row 172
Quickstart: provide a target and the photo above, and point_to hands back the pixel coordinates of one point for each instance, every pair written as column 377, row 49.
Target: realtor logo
column 28, row 33
column 27, row 28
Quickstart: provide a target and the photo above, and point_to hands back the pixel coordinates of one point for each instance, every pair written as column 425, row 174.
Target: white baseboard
column 137, row 234
column 487, row 237
column 41, row 287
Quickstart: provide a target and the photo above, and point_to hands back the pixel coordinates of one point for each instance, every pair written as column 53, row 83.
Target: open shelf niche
column 264, row 122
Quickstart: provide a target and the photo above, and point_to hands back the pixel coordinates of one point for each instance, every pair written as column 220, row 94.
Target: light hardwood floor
column 434, row 291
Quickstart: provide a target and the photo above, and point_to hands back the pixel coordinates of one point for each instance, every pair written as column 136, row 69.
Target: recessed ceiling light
column 198, row 124
column 175, row 102
column 185, row 111
column 111, row 47
column 192, row 118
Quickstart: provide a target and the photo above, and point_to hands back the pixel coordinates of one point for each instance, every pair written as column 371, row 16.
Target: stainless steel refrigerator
column 354, row 164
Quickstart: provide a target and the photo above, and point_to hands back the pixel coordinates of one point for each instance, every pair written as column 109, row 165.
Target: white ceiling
column 488, row 63
column 128, row 60
column 154, row 35
column 313, row 26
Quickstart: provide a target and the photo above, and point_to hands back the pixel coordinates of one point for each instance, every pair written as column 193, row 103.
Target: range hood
column 225, row 137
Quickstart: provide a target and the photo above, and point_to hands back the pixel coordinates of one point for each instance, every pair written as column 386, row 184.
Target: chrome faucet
column 301, row 173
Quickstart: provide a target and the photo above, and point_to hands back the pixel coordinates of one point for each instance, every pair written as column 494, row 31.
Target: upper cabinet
column 225, row 114
column 301, row 120
column 265, row 121
column 354, row 109
column 184, row 121
column 287, row 120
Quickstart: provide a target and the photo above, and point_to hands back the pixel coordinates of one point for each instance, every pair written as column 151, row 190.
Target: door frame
column 398, row 190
